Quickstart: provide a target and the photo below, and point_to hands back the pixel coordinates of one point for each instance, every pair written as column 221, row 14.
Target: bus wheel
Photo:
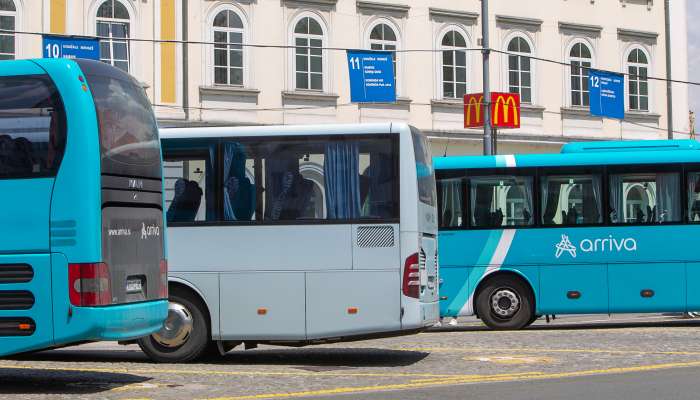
column 184, row 336
column 505, row 303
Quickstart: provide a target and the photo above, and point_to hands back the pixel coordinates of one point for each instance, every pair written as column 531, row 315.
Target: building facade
column 241, row 66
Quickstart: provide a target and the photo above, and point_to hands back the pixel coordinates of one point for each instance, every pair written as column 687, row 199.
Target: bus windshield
column 424, row 169
column 128, row 131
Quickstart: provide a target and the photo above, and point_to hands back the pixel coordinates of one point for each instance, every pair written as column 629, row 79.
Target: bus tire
column 505, row 303
column 188, row 338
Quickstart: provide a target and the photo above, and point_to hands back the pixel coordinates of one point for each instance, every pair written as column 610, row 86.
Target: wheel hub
column 505, row 303
column 176, row 328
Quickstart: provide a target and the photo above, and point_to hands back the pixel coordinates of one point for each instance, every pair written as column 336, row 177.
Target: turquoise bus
column 601, row 227
column 82, row 253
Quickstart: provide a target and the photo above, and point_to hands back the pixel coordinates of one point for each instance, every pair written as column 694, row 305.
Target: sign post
column 607, row 94
column 70, row 47
column 371, row 76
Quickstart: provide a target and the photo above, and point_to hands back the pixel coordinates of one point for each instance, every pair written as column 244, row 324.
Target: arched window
column 113, row 30
column 308, row 59
column 8, row 14
column 520, row 69
column 454, row 65
column 228, row 49
column 638, row 86
column 383, row 38
column 581, row 61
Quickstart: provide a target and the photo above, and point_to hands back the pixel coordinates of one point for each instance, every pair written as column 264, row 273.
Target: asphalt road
column 639, row 356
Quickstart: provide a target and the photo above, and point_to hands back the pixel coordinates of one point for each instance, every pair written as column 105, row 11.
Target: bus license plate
column 134, row 285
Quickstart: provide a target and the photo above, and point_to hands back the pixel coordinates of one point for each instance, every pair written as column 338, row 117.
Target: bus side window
column 571, row 200
column 694, row 197
column 189, row 187
column 239, row 189
column 645, row 198
column 451, row 195
column 501, row 201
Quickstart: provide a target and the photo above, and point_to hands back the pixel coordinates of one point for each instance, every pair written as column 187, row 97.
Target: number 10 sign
column 371, row 76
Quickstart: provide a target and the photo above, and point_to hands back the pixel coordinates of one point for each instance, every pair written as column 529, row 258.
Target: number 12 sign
column 607, row 94
column 371, row 76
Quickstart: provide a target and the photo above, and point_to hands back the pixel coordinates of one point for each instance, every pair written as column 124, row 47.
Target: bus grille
column 421, row 259
column 375, row 236
column 16, row 300
column 16, row 273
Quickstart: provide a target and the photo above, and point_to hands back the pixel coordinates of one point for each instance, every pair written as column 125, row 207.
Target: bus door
column 32, row 135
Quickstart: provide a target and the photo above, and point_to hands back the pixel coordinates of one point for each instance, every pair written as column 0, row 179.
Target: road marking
column 511, row 359
column 458, row 381
column 531, row 350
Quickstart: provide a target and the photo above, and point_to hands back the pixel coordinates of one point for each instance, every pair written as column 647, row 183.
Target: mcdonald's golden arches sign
column 505, row 110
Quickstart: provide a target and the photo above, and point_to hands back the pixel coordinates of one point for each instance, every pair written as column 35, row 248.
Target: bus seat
column 185, row 204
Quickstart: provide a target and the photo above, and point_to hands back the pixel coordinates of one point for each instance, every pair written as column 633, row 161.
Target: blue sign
column 371, row 76
column 71, row 47
column 607, row 94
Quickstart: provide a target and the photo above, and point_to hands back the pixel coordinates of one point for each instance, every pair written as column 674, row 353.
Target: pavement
column 626, row 356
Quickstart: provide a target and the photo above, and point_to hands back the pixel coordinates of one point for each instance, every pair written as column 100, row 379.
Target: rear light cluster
column 163, row 289
column 89, row 284
column 411, row 277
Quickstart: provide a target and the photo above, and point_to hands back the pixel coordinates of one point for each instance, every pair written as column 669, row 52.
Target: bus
column 296, row 235
column 82, row 254
column 603, row 227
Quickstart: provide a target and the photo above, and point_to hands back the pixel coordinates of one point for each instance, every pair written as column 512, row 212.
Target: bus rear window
column 128, row 130
column 424, row 168
column 32, row 127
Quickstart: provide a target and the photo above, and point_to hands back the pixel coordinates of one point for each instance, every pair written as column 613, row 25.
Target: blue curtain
column 239, row 193
column 342, row 180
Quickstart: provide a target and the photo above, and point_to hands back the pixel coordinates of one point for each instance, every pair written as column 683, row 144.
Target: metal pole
column 185, row 62
column 669, row 85
column 488, row 145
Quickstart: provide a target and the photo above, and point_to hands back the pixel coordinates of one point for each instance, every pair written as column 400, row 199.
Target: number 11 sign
column 371, row 76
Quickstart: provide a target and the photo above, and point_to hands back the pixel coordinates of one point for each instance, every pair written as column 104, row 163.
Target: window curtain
column 667, row 201
column 341, row 172
column 597, row 197
column 550, row 191
column 380, row 201
column 239, row 193
column 451, row 193
column 481, row 199
column 617, row 205
column 529, row 204
column 693, row 202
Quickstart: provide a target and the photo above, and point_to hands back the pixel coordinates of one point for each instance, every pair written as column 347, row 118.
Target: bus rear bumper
column 117, row 322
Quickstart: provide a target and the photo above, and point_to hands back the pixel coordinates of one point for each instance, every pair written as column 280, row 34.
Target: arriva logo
column 150, row 230
column 609, row 244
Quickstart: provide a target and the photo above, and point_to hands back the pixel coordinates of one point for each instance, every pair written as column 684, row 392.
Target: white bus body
column 323, row 271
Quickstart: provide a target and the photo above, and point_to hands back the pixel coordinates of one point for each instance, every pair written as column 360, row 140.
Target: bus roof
column 664, row 152
column 281, row 130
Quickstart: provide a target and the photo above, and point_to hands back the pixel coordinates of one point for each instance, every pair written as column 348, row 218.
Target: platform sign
column 607, row 94
column 71, row 47
column 505, row 110
column 371, row 76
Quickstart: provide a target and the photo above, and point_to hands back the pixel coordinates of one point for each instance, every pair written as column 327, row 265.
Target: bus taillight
column 163, row 290
column 411, row 277
column 88, row 284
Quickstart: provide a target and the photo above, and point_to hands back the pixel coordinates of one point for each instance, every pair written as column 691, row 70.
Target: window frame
column 506, row 82
column 683, row 168
column 219, row 166
column 245, row 53
column 324, row 57
column 15, row 19
column 199, row 151
column 441, row 62
column 627, row 65
column 569, row 75
column 398, row 44
column 111, row 39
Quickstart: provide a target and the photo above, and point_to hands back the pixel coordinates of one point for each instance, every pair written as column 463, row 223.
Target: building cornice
column 528, row 23
column 310, row 3
column 580, row 28
column 642, row 116
column 310, row 96
column 461, row 16
column 228, row 91
column 631, row 35
column 373, row 7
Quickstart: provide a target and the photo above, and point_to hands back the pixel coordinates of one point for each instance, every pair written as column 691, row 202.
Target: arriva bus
column 81, row 226
column 600, row 228
column 296, row 235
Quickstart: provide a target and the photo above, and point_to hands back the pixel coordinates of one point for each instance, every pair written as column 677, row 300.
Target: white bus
column 296, row 235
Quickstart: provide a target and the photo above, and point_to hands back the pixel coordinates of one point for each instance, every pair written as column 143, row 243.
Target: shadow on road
column 58, row 381
column 557, row 326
